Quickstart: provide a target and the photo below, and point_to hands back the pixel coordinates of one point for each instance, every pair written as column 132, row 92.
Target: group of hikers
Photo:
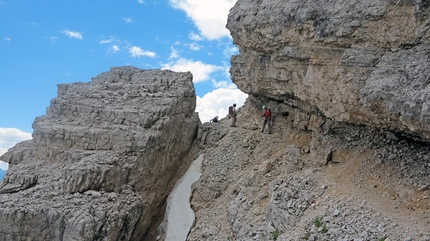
column 232, row 114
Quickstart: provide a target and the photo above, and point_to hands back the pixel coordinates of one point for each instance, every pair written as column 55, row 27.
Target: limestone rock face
column 102, row 159
column 361, row 62
column 351, row 183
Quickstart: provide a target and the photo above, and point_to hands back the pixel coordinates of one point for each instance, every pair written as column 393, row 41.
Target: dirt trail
column 361, row 179
column 354, row 173
column 358, row 175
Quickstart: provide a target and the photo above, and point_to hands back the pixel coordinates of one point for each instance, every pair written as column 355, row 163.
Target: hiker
column 267, row 118
column 214, row 120
column 233, row 115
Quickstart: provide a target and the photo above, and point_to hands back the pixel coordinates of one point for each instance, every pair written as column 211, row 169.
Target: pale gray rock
column 361, row 62
column 359, row 183
column 330, row 70
column 102, row 160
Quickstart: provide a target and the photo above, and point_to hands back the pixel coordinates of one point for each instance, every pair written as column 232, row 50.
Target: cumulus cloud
column 140, row 1
column 201, row 71
column 138, row 52
column 128, row 20
column 73, row 34
column 210, row 17
column 216, row 103
column 9, row 137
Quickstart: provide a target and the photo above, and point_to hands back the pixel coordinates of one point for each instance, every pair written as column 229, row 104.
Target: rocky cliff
column 350, row 183
column 102, row 159
column 349, row 156
column 348, row 159
column 362, row 62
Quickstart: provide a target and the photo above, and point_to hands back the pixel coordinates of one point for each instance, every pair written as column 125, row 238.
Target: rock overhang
column 357, row 62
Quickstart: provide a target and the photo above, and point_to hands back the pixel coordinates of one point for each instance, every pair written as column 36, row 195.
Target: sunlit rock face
column 361, row 62
column 102, row 159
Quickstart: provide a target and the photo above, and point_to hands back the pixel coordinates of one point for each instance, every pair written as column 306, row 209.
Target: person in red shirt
column 267, row 119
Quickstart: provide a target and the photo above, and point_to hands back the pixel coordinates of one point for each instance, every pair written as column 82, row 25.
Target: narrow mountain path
column 243, row 169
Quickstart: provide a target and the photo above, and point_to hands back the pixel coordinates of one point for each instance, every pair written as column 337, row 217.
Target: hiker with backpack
column 214, row 120
column 232, row 113
column 267, row 119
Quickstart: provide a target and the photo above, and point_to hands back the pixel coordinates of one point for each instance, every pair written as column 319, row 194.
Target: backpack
column 230, row 111
column 267, row 113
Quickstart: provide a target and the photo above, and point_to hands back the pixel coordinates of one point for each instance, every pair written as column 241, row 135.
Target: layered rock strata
column 361, row 62
column 102, row 160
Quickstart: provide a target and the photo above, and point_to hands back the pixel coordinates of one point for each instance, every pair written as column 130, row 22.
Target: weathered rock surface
column 350, row 183
column 347, row 83
column 102, row 159
column 362, row 62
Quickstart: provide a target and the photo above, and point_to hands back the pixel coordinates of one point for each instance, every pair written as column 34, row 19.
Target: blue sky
column 47, row 42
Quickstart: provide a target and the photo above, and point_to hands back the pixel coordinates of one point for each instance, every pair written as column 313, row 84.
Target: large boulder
column 102, row 160
column 361, row 62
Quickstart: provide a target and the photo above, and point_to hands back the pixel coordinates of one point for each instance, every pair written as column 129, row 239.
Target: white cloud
column 210, row 17
column 128, row 20
column 200, row 70
column 216, row 103
column 53, row 39
column 194, row 46
column 140, row 1
column 3, row 150
column 4, row 165
column 9, row 137
column 72, row 34
column 195, row 37
column 113, row 49
column 7, row 39
column 107, row 41
column 223, row 84
column 174, row 53
column 230, row 51
column 138, row 52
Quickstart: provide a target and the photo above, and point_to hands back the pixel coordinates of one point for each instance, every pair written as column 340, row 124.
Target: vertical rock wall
column 102, row 159
column 362, row 62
